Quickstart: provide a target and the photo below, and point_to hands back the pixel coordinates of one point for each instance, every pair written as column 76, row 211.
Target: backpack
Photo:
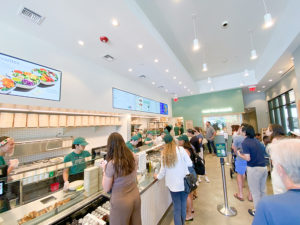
column 199, row 164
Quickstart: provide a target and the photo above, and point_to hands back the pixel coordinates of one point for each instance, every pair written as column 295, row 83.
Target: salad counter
column 76, row 207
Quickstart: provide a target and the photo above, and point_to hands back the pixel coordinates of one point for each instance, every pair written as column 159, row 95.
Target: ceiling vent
column 142, row 76
column 31, row 15
column 109, row 58
column 160, row 86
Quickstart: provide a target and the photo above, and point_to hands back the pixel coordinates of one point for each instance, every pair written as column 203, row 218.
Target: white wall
column 85, row 85
column 258, row 100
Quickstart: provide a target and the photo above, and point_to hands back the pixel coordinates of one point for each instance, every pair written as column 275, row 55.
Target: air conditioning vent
column 142, row 76
column 31, row 15
column 109, row 58
column 160, row 86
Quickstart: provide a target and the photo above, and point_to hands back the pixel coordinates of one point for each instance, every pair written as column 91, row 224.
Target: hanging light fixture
column 246, row 73
column 253, row 51
column 196, row 45
column 267, row 17
column 204, row 67
column 209, row 80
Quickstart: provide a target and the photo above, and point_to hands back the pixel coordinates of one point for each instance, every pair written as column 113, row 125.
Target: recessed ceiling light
column 258, row 91
column 212, row 89
column 167, row 70
column 280, row 71
column 263, row 86
column 270, row 80
column 153, row 83
column 241, row 84
column 292, row 58
column 115, row 22
column 140, row 46
column 130, row 70
column 156, row 60
column 174, row 78
column 189, row 90
column 166, row 90
column 179, row 82
column 80, row 42
column 184, row 87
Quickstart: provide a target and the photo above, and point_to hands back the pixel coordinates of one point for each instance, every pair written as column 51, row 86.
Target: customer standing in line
column 210, row 136
column 184, row 142
column 282, row 208
column 198, row 133
column 240, row 164
column 257, row 172
column 174, row 166
column 120, row 178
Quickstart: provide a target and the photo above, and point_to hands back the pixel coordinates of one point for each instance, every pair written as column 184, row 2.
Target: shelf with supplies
column 17, row 116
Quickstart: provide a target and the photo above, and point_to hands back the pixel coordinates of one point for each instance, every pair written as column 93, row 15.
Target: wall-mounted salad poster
column 23, row 78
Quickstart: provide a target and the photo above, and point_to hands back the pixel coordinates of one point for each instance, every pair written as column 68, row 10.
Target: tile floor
column 211, row 194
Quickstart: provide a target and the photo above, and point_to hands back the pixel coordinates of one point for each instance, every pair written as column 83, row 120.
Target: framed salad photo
column 27, row 79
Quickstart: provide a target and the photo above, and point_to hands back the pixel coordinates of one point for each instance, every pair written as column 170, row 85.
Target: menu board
column 129, row 101
column 23, row 78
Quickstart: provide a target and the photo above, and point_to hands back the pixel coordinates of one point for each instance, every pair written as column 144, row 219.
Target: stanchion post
column 224, row 208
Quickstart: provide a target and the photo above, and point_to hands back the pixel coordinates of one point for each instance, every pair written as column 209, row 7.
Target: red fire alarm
column 175, row 99
column 104, row 39
column 252, row 88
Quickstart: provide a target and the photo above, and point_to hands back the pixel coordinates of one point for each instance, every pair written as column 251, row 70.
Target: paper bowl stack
column 91, row 180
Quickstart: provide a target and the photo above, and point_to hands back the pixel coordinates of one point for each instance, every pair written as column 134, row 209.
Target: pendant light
column 209, row 80
column 196, row 45
column 253, row 51
column 204, row 67
column 246, row 73
column 267, row 17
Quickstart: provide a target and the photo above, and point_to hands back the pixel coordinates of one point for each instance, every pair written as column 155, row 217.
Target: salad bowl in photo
column 25, row 80
column 46, row 77
column 6, row 85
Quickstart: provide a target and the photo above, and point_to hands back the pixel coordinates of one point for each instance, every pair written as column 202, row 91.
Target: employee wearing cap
column 7, row 146
column 148, row 139
column 77, row 159
column 133, row 143
column 140, row 143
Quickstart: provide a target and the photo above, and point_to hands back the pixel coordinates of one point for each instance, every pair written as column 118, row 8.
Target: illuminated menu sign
column 129, row 101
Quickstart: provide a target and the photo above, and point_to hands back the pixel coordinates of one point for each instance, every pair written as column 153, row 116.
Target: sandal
column 194, row 197
column 238, row 197
column 250, row 200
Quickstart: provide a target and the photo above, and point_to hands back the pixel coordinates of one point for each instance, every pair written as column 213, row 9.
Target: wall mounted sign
column 23, row 78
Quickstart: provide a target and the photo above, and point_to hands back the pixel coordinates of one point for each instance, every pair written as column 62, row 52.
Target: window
column 283, row 111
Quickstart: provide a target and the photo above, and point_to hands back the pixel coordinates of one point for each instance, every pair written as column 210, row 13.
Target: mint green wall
column 190, row 107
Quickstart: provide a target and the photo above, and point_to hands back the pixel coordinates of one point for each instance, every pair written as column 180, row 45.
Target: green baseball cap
column 135, row 138
column 183, row 138
column 168, row 138
column 80, row 141
column 166, row 131
column 150, row 132
column 139, row 135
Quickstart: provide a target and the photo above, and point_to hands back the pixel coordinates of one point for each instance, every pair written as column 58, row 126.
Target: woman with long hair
column 183, row 141
column 120, row 179
column 174, row 166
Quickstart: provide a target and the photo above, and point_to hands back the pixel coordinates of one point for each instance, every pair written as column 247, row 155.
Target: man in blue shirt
column 282, row 208
column 257, row 172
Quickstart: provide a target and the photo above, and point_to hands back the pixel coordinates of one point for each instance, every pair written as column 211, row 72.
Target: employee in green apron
column 75, row 172
column 149, row 139
column 133, row 143
column 140, row 143
column 181, row 129
column 7, row 147
column 176, row 129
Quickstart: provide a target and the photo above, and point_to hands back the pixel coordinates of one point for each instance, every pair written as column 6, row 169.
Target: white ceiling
column 165, row 29
column 226, row 51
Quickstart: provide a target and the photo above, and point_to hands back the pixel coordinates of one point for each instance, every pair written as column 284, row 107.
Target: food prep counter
column 72, row 206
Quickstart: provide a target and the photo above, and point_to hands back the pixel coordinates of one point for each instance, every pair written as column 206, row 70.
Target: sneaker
column 206, row 179
column 251, row 212
column 199, row 179
column 197, row 183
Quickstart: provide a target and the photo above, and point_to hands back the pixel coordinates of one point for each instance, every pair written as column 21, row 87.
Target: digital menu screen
column 23, row 78
column 129, row 101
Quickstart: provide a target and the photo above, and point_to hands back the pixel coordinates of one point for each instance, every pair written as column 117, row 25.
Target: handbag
column 190, row 182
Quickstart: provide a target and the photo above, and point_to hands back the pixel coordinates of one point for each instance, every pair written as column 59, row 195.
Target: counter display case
column 74, row 207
